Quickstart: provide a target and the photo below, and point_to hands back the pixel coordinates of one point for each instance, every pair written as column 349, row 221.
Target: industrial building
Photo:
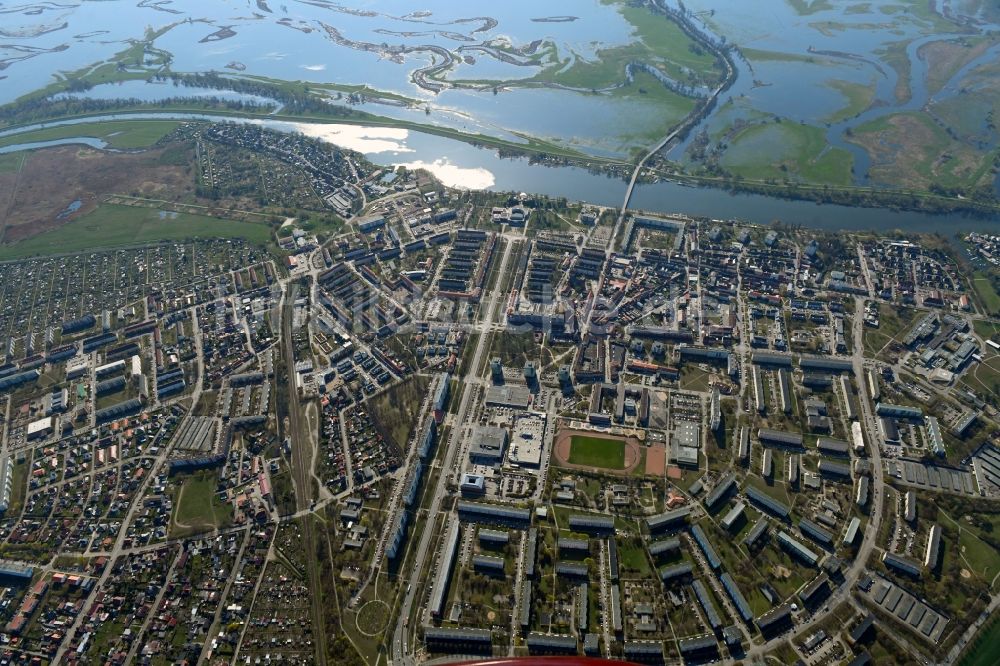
column 510, row 396
column 488, row 445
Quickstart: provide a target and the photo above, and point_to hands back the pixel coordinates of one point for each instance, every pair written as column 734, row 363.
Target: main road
column 868, row 544
column 399, row 654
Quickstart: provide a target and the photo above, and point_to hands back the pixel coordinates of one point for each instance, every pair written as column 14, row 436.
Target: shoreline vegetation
column 304, row 102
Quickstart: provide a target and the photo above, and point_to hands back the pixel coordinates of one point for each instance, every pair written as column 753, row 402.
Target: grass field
column 397, row 408
column 857, row 96
column 786, row 150
column 985, row 329
column 985, row 651
column 660, row 40
column 893, row 324
column 197, row 508
column 117, row 133
column 11, row 162
column 987, row 294
column 634, row 559
column 114, row 226
column 597, row 452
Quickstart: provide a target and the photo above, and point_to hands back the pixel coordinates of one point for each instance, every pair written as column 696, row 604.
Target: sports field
column 597, row 452
column 985, row 650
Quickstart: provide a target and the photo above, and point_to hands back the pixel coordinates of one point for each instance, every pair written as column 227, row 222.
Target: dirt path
column 13, row 195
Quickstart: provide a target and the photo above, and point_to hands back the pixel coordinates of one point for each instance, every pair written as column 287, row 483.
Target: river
column 462, row 165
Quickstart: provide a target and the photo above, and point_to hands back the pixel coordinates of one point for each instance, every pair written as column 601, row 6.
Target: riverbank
column 846, row 195
column 532, row 147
